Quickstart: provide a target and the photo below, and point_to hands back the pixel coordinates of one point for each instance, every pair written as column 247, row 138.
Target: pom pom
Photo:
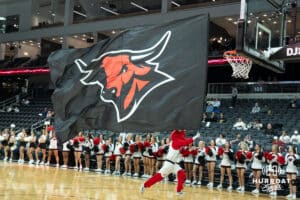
column 122, row 150
column 194, row 152
column 147, row 144
column 160, row 152
column 280, row 160
column 81, row 139
column 126, row 146
column 166, row 149
column 131, row 148
column 50, row 128
column 297, row 162
column 240, row 157
column 239, row 154
column 220, row 151
column 112, row 157
column 140, row 145
column 184, row 152
column 208, row 151
column 76, row 143
column 249, row 155
column 96, row 141
column 105, row 148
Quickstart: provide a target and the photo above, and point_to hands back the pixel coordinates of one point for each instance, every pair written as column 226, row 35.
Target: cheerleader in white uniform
column 241, row 156
column 1, row 140
column 275, row 160
column 67, row 146
column 78, row 143
column 12, row 144
column 256, row 166
column 127, row 161
column 227, row 156
column 88, row 146
column 292, row 161
column 199, row 163
column 117, row 153
column 5, row 136
column 146, row 159
column 188, row 159
column 160, row 154
column 53, row 149
column 137, row 155
column 152, row 151
column 22, row 136
column 100, row 154
column 41, row 148
column 108, row 153
column 32, row 146
column 211, row 158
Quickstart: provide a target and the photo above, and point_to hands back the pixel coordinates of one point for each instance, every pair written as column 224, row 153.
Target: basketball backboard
column 261, row 29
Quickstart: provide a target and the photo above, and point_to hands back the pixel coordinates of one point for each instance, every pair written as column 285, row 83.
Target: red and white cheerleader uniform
column 117, row 152
column 108, row 152
column 199, row 160
column 53, row 146
column 136, row 150
column 210, row 156
column 291, row 162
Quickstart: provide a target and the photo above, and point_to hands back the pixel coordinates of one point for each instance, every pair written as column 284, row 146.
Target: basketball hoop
column 241, row 65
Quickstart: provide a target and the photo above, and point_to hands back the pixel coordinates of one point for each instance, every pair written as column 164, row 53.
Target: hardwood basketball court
column 47, row 183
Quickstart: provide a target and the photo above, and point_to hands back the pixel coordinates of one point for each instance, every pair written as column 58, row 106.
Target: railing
column 13, row 100
column 255, row 87
column 39, row 124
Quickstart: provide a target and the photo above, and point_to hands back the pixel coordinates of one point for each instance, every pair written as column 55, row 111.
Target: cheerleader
column 88, row 146
column 256, row 166
column 292, row 161
column 78, row 143
column 136, row 149
column 162, row 150
column 67, row 147
column 12, row 144
column 108, row 150
column 32, row 146
column 188, row 153
column 211, row 158
column 227, row 156
column 22, row 144
column 41, row 147
column 199, row 163
column 53, row 149
column 99, row 154
column 241, row 166
column 1, row 140
column 274, row 159
column 127, row 161
column 5, row 137
column 117, row 153
column 152, row 151
column 146, row 159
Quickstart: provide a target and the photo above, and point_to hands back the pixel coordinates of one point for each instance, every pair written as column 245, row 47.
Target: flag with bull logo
column 147, row 78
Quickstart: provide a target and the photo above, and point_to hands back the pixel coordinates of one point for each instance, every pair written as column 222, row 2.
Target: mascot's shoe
column 142, row 189
column 179, row 193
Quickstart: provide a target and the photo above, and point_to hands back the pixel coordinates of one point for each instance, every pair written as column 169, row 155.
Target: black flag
column 148, row 78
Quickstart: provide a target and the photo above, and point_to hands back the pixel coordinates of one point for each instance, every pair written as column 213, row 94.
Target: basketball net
column 241, row 65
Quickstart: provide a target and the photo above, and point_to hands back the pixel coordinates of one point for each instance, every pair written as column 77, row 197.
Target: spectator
column 257, row 124
column 235, row 143
column 295, row 140
column 16, row 109
column 269, row 129
column 248, row 140
column 266, row 110
column 222, row 118
column 284, row 138
column 293, row 103
column 213, row 117
column 216, row 104
column 234, row 93
column 209, row 107
column 204, row 118
column 220, row 141
column 240, row 125
column 25, row 101
column 255, row 109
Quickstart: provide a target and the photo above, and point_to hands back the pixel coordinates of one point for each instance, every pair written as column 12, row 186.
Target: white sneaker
column 80, row 168
column 239, row 188
column 75, row 168
column 124, row 174
column 229, row 188
column 180, row 193
column 64, row 166
column 19, row 161
column 194, row 183
column 37, row 162
column 187, row 182
column 210, row 185
column 86, row 169
column 255, row 192
column 30, row 162
column 242, row 190
column 219, row 187
column 10, row 160
column 294, row 196
column 199, row 183
column 42, row 163
column 135, row 175
column 176, row 180
column 289, row 196
column 99, row 170
column 142, row 189
column 47, row 164
column 107, row 171
column 128, row 174
column 5, row 159
column 57, row 165
column 273, row 194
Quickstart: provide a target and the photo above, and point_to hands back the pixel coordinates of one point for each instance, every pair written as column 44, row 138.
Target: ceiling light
column 61, row 41
column 2, row 18
column 53, row 14
column 235, row 22
column 24, row 42
column 31, row 44
column 75, row 36
column 274, row 22
column 175, row 3
column 61, row 38
column 113, row 32
column 83, row 39
column 138, row 6
column 25, row 53
column 289, row 21
column 53, row 39
column 30, row 40
column 251, row 14
column 84, row 35
column 265, row 15
column 110, row 11
column 229, row 19
column 249, row 21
